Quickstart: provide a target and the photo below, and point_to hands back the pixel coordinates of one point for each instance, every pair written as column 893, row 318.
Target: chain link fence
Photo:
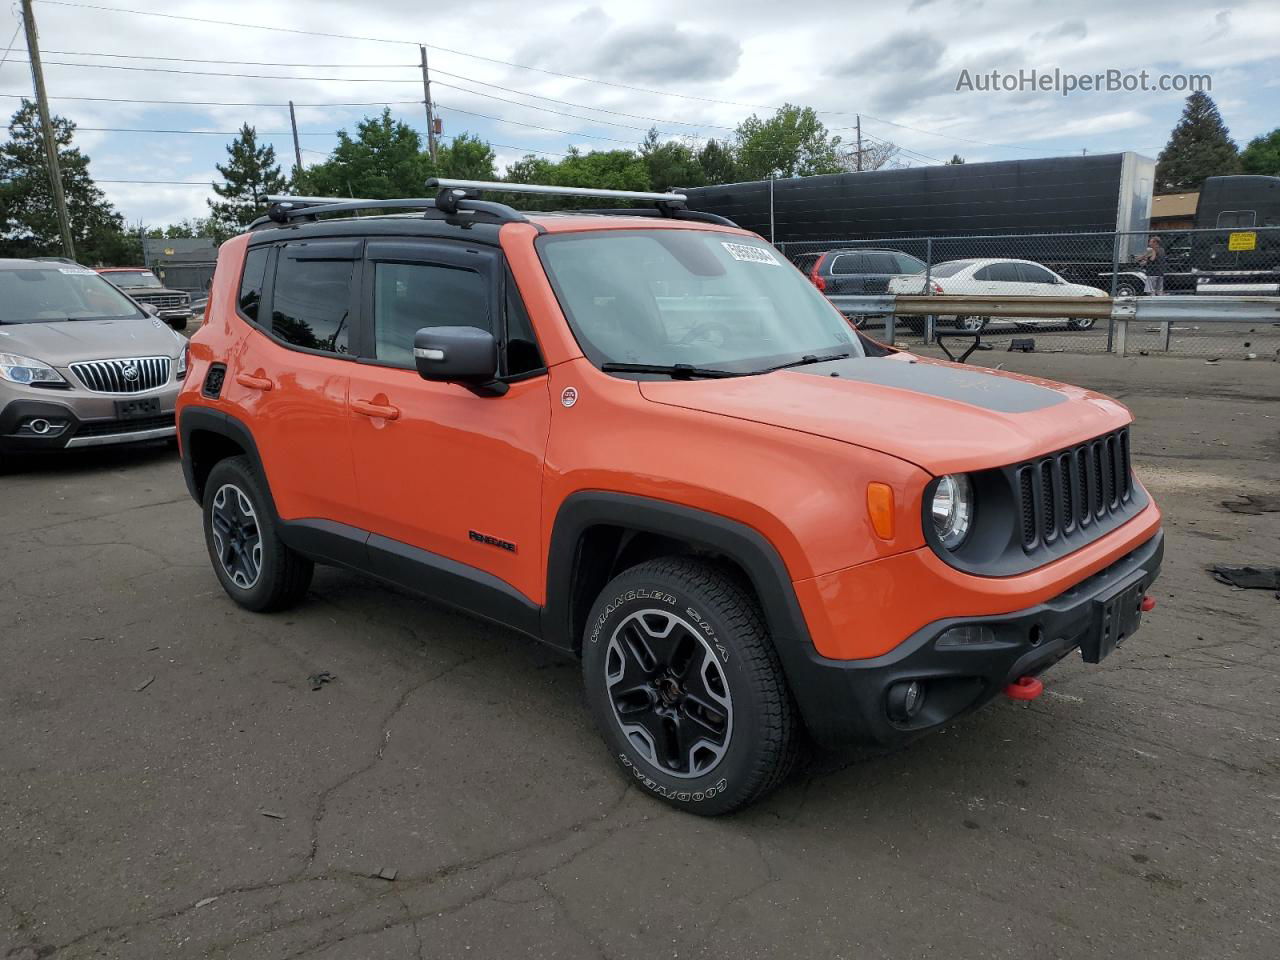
column 1230, row 261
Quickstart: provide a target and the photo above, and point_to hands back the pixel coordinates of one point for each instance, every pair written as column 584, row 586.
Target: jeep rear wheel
column 251, row 562
column 686, row 688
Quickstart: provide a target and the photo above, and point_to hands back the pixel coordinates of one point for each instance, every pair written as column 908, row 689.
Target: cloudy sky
column 544, row 76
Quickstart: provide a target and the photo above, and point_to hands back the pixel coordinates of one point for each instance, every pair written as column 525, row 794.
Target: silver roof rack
column 549, row 190
column 458, row 196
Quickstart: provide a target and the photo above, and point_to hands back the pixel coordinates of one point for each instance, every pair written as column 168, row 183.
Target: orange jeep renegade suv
column 643, row 437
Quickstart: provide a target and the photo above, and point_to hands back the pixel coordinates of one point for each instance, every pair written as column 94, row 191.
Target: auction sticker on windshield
column 749, row 253
column 78, row 271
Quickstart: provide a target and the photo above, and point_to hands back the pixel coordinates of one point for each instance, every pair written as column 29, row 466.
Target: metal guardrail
column 1120, row 310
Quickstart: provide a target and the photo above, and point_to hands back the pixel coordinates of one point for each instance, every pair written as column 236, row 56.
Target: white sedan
column 997, row 278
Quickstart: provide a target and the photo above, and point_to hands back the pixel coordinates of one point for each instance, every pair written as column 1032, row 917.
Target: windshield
column 50, row 293
column 696, row 297
column 132, row 279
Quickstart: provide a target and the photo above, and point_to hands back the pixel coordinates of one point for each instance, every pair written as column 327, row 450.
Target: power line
column 12, row 41
column 223, row 23
column 581, row 106
column 234, row 63
column 175, row 183
column 211, row 133
column 567, row 133
column 217, row 73
column 460, row 53
column 521, row 66
column 228, row 103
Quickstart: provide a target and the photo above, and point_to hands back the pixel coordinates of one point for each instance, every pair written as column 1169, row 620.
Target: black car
column 850, row 272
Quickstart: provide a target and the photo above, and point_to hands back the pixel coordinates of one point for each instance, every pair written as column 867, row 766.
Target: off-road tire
column 764, row 736
column 283, row 575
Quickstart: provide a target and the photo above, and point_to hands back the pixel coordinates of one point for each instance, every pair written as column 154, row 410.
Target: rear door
column 846, row 274
column 288, row 381
column 1039, row 281
column 1000, row 279
column 445, row 474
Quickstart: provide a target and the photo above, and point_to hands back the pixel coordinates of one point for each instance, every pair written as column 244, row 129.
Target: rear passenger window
column 847, row 263
column 310, row 303
column 255, row 274
column 410, row 296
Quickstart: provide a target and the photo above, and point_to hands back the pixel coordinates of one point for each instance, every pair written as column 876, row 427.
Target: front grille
column 163, row 300
column 138, row 424
column 132, row 375
column 1074, row 488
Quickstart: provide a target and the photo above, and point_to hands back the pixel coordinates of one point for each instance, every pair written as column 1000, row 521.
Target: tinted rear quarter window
column 251, row 282
column 310, row 303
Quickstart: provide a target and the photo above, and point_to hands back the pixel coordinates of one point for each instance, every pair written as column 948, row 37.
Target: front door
column 439, row 468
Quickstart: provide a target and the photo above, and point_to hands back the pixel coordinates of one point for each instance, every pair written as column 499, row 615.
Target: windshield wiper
column 803, row 361
column 676, row 371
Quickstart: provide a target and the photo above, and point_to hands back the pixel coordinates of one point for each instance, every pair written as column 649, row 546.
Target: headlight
column 182, row 361
column 18, row 369
column 952, row 509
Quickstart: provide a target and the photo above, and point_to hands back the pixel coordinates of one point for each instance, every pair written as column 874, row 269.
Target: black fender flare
column 742, row 544
column 223, row 424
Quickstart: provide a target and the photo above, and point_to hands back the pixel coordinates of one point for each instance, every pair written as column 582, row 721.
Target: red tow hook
column 1024, row 688
column 1148, row 604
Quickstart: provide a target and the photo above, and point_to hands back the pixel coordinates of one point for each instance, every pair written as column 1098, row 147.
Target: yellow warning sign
column 1244, row 240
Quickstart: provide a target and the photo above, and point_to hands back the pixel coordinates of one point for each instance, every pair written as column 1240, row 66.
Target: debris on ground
column 145, row 683
column 272, row 814
column 318, row 680
column 1248, row 578
column 386, row 873
column 1022, row 345
column 205, row 902
column 1254, row 504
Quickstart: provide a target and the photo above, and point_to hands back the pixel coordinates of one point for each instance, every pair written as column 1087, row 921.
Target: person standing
column 1153, row 261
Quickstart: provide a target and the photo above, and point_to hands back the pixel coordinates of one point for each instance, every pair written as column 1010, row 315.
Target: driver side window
column 410, row 296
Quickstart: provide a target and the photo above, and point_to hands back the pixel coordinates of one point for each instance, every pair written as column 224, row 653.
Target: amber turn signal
column 880, row 509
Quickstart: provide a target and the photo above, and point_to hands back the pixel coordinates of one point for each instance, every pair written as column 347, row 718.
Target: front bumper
column 81, row 423
column 847, row 701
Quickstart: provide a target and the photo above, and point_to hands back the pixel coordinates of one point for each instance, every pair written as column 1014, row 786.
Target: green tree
column 1262, row 156
column 466, row 157
column 1200, row 146
column 791, row 143
column 608, row 169
column 251, row 172
column 718, row 163
column 28, row 221
column 955, row 160
column 671, row 163
column 383, row 160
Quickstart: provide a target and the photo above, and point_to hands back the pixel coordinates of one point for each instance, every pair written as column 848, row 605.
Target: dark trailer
column 1101, row 193
column 1239, row 250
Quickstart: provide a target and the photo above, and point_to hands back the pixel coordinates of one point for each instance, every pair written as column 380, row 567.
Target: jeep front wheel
column 686, row 687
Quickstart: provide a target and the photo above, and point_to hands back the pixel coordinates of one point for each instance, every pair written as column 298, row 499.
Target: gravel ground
column 174, row 787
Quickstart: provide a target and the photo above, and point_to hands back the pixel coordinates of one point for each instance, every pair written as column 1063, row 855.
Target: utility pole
column 859, row 126
column 46, row 127
column 297, row 149
column 426, row 93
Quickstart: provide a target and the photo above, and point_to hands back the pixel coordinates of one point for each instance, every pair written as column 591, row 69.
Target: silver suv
column 80, row 363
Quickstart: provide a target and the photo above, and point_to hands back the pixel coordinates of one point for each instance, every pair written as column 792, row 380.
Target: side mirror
column 150, row 308
column 465, row 355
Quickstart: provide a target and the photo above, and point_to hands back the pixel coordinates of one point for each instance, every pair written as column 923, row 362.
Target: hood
column 72, row 340
column 942, row 417
column 145, row 293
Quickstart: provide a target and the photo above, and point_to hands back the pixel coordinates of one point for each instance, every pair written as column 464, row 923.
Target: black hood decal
column 977, row 388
